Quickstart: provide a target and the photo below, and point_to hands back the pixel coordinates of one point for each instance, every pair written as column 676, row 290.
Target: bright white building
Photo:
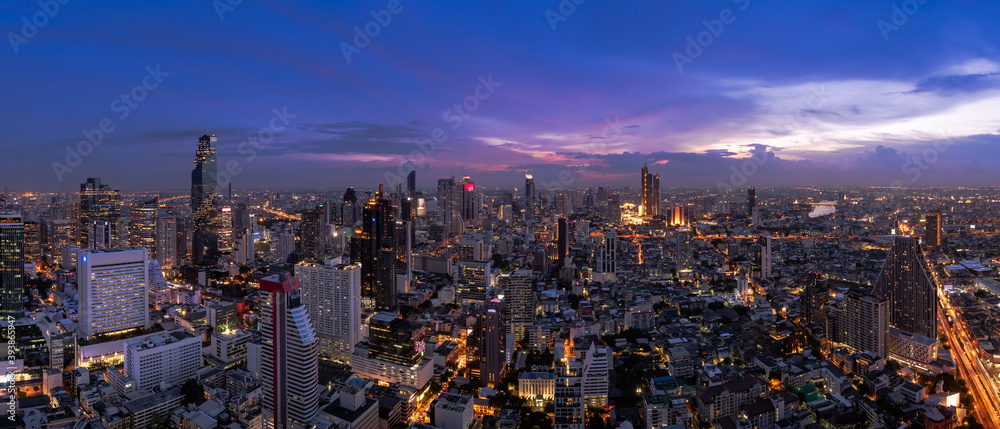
column 170, row 357
column 595, row 375
column 332, row 295
column 114, row 296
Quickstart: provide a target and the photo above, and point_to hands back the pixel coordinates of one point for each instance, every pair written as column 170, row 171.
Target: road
column 983, row 388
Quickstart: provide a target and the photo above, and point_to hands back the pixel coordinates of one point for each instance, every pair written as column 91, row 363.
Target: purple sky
column 822, row 92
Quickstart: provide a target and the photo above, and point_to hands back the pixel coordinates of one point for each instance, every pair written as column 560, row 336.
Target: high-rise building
column 312, row 234
column 607, row 263
column 473, row 281
column 650, row 193
column 761, row 264
column 614, row 209
column 289, row 355
column 167, row 357
column 98, row 203
column 114, row 291
column 11, row 266
column 519, row 300
column 932, row 234
column 815, row 296
column 350, row 210
column 390, row 339
column 63, row 234
column 166, row 240
column 285, row 246
column 227, row 229
column 204, row 202
column 562, row 241
column 596, row 367
column 685, row 253
column 411, row 184
column 911, row 292
column 530, row 202
column 142, row 226
column 33, row 241
column 860, row 322
column 376, row 250
column 449, row 207
column 492, row 349
column 751, row 201
column 569, row 404
column 332, row 295
column 473, row 248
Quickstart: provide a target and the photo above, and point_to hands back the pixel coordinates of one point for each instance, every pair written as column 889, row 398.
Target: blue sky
column 820, row 91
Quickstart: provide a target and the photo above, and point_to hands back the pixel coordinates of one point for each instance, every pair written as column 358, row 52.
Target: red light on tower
column 469, row 187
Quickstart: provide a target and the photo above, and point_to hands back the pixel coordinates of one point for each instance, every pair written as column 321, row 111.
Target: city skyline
column 834, row 95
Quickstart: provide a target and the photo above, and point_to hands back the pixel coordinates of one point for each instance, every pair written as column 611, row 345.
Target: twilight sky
column 806, row 92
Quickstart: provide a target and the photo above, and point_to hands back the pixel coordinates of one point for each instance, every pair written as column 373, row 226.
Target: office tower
column 562, row 244
column 815, row 297
column 492, row 348
column 685, row 253
column 142, row 226
column 473, row 281
column 519, row 300
column 284, row 246
column 932, row 236
column 411, row 184
column 11, row 265
column 332, row 296
column 595, row 375
column 473, row 248
column 404, row 255
column 98, row 202
column 755, row 216
column 562, row 205
column 349, row 211
column 63, row 234
column 114, row 296
column 167, row 357
column 678, row 215
column 227, row 236
column 449, row 207
column 245, row 252
column 911, row 292
column 390, row 339
column 312, row 234
column 376, row 250
column 860, row 322
column 751, row 201
column 100, row 234
column 204, row 203
column 607, row 263
column 650, row 193
column 530, row 204
column 289, row 355
column 166, row 240
column 569, row 404
column 33, row 241
column 761, row 264
column 183, row 239
column 614, row 209
column 470, row 205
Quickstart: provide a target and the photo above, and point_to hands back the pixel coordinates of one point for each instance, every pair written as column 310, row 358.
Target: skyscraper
column 33, row 241
column 911, row 292
column 411, row 184
column 470, row 205
column 492, row 347
column 595, row 375
column 227, row 229
column 376, row 250
column 142, row 226
column 332, row 295
column 607, row 262
column 685, row 253
column 312, row 234
column 473, row 281
column 449, row 207
column 932, row 236
column 562, row 241
column 349, row 211
column 860, row 322
column 98, row 203
column 114, row 291
column 761, row 264
column 815, row 296
column 204, row 202
column 751, row 201
column 569, row 404
column 289, row 356
column 11, row 265
column 650, row 193
column 519, row 300
column 529, row 195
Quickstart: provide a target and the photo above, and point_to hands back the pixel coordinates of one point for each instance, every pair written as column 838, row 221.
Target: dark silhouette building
column 751, row 201
column 375, row 249
column 492, row 347
column 11, row 266
column 650, row 193
column 205, row 203
column 101, row 204
column 932, row 234
column 911, row 292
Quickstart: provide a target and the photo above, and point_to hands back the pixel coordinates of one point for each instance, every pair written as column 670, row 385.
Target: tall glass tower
column 204, row 202
column 910, row 290
column 11, row 265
